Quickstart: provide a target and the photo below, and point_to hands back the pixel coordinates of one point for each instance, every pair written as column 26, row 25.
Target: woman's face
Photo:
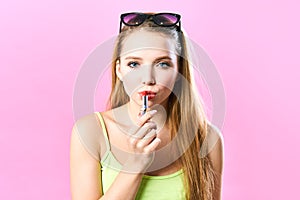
column 148, row 62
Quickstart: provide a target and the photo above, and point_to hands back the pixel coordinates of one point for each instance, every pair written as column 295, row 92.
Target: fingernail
column 151, row 112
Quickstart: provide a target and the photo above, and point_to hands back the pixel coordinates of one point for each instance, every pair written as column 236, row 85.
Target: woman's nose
column 148, row 76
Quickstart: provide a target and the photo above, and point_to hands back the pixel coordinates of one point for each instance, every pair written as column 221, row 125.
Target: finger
column 138, row 131
column 133, row 141
column 152, row 146
column 148, row 126
column 147, row 139
column 144, row 118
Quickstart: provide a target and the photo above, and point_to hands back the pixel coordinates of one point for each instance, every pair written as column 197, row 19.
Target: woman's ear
column 118, row 70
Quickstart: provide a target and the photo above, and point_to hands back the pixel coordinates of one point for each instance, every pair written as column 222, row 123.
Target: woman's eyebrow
column 133, row 57
column 157, row 59
column 163, row 58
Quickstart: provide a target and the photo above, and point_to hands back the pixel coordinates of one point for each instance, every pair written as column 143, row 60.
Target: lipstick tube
column 144, row 107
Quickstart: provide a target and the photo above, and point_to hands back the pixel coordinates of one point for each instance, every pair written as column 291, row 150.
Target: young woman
column 154, row 141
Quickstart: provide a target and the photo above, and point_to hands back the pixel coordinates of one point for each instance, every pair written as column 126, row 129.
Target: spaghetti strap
column 104, row 129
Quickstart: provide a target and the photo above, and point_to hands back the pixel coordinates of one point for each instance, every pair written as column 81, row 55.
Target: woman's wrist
column 138, row 163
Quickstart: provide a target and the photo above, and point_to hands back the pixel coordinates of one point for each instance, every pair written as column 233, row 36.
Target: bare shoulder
column 88, row 120
column 215, row 147
column 89, row 132
column 108, row 116
column 85, row 176
column 214, row 133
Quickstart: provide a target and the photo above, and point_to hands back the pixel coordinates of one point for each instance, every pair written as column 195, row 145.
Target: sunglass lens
column 166, row 19
column 133, row 19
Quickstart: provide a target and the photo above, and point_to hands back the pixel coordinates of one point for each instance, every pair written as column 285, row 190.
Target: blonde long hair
column 185, row 109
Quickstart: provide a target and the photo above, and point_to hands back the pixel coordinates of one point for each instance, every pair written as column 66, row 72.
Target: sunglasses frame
column 147, row 16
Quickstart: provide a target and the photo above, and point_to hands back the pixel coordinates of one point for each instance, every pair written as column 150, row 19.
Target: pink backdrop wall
column 254, row 44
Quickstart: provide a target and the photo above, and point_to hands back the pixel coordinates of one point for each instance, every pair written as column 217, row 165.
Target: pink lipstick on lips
column 150, row 94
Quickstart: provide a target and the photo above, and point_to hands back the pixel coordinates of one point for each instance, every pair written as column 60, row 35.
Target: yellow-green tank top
column 152, row 187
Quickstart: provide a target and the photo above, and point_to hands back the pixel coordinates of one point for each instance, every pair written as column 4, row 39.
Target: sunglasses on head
column 161, row 19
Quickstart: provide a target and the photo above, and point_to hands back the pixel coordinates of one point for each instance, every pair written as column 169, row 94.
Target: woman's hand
column 142, row 142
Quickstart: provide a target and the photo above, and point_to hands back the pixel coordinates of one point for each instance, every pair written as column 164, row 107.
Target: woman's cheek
column 131, row 82
column 166, row 79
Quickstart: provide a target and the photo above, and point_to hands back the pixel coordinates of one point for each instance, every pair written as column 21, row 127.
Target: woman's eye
column 164, row 64
column 133, row 64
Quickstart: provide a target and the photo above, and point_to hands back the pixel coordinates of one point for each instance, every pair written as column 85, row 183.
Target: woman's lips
column 150, row 94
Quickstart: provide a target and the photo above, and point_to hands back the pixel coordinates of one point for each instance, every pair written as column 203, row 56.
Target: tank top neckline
column 109, row 153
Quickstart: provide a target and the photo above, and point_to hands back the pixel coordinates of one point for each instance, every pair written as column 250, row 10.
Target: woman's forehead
column 149, row 54
column 146, row 40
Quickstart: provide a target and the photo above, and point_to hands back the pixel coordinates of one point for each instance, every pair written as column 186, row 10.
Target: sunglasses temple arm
column 179, row 25
column 120, row 26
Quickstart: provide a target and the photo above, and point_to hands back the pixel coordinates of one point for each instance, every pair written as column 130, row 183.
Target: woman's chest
column 119, row 139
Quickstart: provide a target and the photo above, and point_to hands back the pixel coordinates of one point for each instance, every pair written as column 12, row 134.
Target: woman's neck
column 159, row 118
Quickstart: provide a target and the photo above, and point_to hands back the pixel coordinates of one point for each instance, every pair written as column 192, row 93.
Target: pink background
column 254, row 45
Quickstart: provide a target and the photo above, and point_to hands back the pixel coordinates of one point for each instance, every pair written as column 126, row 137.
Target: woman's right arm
column 86, row 174
column 86, row 177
